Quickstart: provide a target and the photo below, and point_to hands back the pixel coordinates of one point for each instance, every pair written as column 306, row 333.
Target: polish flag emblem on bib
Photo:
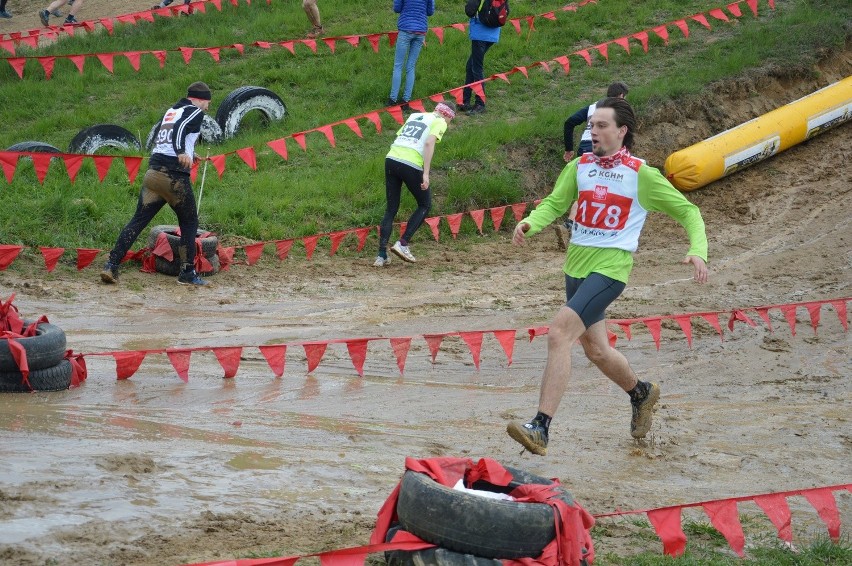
column 600, row 192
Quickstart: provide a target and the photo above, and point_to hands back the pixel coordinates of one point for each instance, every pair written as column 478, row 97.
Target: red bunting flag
column 253, row 252
column 310, row 243
column 358, row 354
column 433, row 225
column 686, row 326
column 454, row 220
column 362, row 233
column 282, row 248
column 566, row 65
column 778, row 511
column 585, row 55
column 537, row 331
column 684, row 29
column 85, row 256
column 840, row 309
column 478, row 216
column 51, row 257
column 506, row 339
column 72, row 165
column 374, row 38
column 723, row 515
column 187, row 53
column 667, row 524
column 47, row 64
column 133, row 57
column 763, row 312
column 396, row 112
column 132, row 165
column 274, row 355
column 719, row 14
column 603, row 49
column 314, row 351
column 163, row 248
column 226, row 257
column 18, row 66
column 434, row 342
column 400, row 351
column 78, row 61
column 516, row 24
column 288, row 45
column 247, row 154
column 102, row 165
column 374, row 118
column 180, row 361
column 625, row 326
column 329, row 134
column 663, row 32
column 278, row 146
column 229, row 359
column 790, row 314
column 826, row 507
column 336, row 238
column 126, row 363
column 8, row 254
column 654, row 327
column 41, row 161
column 106, row 60
column 753, row 5
column 813, row 311
column 9, row 161
column 437, row 31
column 713, row 319
column 701, row 20
column 642, row 36
column 624, row 42
column 331, row 43
column 353, row 125
column 474, row 343
column 497, row 214
column 518, row 210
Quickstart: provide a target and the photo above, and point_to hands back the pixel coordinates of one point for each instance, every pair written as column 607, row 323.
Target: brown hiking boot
column 643, row 411
column 531, row 436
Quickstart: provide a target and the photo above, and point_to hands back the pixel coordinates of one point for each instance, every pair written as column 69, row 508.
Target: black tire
column 34, row 146
column 209, row 247
column 211, row 132
column 245, row 99
column 94, row 138
column 173, row 267
column 432, row 556
column 471, row 524
column 56, row 378
column 44, row 350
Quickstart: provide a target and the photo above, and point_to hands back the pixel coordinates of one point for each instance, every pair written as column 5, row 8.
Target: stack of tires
column 469, row 529
column 208, row 243
column 49, row 369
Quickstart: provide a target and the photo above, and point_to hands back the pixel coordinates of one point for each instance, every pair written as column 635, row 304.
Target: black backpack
column 492, row 13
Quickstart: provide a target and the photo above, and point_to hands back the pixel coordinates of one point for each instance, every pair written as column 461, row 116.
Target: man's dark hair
column 624, row 116
column 617, row 89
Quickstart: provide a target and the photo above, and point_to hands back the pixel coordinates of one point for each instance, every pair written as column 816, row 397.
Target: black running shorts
column 589, row 297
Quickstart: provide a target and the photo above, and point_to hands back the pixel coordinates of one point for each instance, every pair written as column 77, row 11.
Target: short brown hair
column 624, row 116
column 617, row 89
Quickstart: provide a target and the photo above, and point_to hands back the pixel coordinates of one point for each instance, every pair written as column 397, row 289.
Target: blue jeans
column 475, row 69
column 408, row 47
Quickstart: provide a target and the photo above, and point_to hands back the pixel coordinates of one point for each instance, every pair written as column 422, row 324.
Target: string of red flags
column 107, row 59
column 666, row 521
column 128, row 362
column 253, row 252
column 248, row 155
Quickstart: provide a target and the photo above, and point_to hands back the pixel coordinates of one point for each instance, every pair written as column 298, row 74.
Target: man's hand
column 184, row 160
column 569, row 155
column 518, row 237
column 424, row 185
column 700, row 271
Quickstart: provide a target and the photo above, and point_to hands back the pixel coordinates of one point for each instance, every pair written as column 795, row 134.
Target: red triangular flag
column 741, row 316
column 497, row 214
column 396, row 112
column 663, row 32
column 813, row 311
column 518, row 210
column 478, row 216
column 314, row 351
column 566, row 65
column 253, row 252
column 684, row 29
column 282, row 248
column 362, row 237
column 585, row 55
column 701, row 20
column 763, row 312
column 358, row 354
column 434, row 341
column 214, row 52
column 713, row 319
column 85, row 256
column 654, row 326
column 826, row 507
column 353, row 40
column 400, row 351
column 187, row 53
column 719, row 14
column 102, row 164
column 437, row 31
column 778, row 511
column 226, row 257
column 537, row 331
column 132, row 165
column 72, row 165
column 41, row 161
column 9, row 161
column 229, row 359
column 516, row 23
column 353, row 125
column 161, row 57
column 279, row 147
column 668, row 527
column 686, row 326
column 625, row 326
column 133, row 57
column 336, row 238
column 300, row 139
column 374, row 118
column 753, row 5
column 106, row 60
column 79, row 61
column 163, row 248
column 310, row 243
column 433, row 223
column 288, row 45
column 603, row 49
column 374, row 38
column 126, row 363
column 506, row 338
column 274, row 355
column 840, row 309
column 624, row 42
column 790, row 314
column 47, row 64
column 51, row 257
column 642, row 36
column 18, row 65
column 474, row 342
column 724, row 516
column 247, row 155
column 417, row 105
column 180, row 361
column 331, row 42
column 8, row 253
column 329, row 134
column 454, row 220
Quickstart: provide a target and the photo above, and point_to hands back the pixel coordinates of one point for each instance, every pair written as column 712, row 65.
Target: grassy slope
column 335, row 188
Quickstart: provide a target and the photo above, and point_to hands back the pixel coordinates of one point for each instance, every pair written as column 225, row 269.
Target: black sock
column 639, row 392
column 542, row 420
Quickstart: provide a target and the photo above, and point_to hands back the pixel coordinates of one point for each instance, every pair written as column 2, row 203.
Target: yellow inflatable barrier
column 755, row 140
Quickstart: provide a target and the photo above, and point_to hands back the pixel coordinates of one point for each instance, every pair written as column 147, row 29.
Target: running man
column 615, row 191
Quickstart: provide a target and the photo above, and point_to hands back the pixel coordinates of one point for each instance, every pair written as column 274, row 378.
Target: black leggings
column 160, row 187
column 397, row 173
column 589, row 297
column 2, row 5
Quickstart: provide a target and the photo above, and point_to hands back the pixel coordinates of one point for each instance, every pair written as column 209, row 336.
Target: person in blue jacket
column 482, row 38
column 412, row 34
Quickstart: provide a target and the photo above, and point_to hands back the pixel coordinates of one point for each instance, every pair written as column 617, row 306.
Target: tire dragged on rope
column 211, row 132
column 209, row 248
column 432, row 556
column 56, row 378
column 94, row 138
column 245, row 99
column 471, row 524
column 44, row 350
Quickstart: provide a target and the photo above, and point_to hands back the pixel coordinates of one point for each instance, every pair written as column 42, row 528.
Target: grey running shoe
column 643, row 410
column 382, row 261
column 109, row 273
column 44, row 16
column 403, row 252
column 190, row 278
column 531, row 436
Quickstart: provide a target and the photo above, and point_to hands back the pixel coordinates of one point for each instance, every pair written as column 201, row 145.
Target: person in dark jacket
column 167, row 182
column 615, row 90
column 482, row 37
column 412, row 34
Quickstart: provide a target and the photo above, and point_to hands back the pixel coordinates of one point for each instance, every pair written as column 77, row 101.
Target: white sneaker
column 403, row 252
column 381, row 261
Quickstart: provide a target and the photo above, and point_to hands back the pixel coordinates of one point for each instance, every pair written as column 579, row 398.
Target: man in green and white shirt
column 614, row 192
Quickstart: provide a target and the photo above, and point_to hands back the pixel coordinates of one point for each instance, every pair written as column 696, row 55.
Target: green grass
column 482, row 162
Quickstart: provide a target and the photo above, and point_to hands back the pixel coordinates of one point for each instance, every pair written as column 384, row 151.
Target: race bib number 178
column 609, row 214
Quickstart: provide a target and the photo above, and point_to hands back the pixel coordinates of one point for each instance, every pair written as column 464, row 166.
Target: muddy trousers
column 161, row 187
column 397, row 173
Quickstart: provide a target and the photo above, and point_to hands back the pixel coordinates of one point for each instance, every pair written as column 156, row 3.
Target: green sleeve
column 656, row 194
column 557, row 202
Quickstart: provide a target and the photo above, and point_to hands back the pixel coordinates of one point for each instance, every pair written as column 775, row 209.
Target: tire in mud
column 56, row 378
column 209, row 247
column 433, row 556
column 44, row 350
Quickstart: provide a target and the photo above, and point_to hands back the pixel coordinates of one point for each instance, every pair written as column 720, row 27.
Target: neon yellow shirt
column 655, row 194
column 412, row 136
